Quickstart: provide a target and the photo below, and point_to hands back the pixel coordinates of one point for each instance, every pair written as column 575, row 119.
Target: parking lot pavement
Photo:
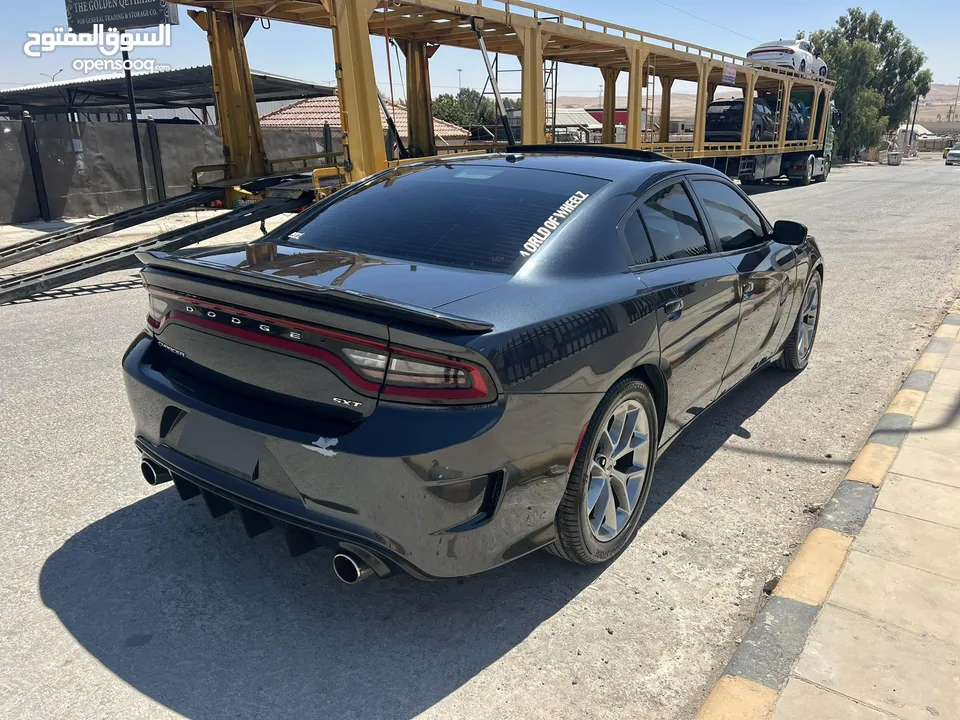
column 120, row 601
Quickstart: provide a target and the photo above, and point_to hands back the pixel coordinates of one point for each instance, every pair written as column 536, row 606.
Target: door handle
column 747, row 292
column 674, row 309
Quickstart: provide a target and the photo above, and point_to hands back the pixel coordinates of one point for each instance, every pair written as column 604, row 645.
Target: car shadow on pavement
column 710, row 432
column 195, row 615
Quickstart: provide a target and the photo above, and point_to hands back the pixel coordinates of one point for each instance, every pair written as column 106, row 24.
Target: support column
column 814, row 108
column 700, row 119
column 827, row 94
column 363, row 147
column 667, row 86
column 421, row 140
column 748, row 92
column 609, row 135
column 532, row 103
column 784, row 112
column 637, row 56
column 235, row 99
column 711, row 91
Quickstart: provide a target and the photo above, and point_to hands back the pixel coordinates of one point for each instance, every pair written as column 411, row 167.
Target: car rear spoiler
column 371, row 304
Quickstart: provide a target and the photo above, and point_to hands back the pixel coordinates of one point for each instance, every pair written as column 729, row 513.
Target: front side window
column 672, row 224
column 735, row 224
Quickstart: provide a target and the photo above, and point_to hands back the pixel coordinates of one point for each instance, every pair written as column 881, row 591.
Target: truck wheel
column 608, row 486
column 803, row 66
column 807, row 173
column 826, row 171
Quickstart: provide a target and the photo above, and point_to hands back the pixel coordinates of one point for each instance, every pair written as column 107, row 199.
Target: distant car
column 725, row 120
column 951, row 156
column 794, row 54
column 798, row 118
column 450, row 364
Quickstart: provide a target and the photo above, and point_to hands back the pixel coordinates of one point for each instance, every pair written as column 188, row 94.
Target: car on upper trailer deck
column 799, row 55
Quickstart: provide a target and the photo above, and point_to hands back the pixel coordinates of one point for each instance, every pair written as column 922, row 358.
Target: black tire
column 575, row 539
column 826, row 172
column 793, row 359
column 803, row 66
column 823, row 71
column 807, row 173
column 755, row 134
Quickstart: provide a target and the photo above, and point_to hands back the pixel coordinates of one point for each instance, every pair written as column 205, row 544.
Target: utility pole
column 459, row 78
column 956, row 100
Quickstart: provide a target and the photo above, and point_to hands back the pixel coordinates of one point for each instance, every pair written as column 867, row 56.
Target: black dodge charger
column 456, row 362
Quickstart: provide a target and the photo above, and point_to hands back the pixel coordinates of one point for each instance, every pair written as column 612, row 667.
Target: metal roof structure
column 184, row 88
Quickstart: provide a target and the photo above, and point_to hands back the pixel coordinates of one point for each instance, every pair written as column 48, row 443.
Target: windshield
column 472, row 215
column 720, row 108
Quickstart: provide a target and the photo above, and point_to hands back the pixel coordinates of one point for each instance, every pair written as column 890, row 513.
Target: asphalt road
column 120, row 601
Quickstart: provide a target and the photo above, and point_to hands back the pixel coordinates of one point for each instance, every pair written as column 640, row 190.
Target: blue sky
column 303, row 52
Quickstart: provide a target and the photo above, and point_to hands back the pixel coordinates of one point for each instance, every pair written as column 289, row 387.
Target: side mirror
column 789, row 232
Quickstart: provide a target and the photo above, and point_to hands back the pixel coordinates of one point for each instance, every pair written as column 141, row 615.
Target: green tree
column 878, row 74
column 469, row 107
column 447, row 107
column 854, row 65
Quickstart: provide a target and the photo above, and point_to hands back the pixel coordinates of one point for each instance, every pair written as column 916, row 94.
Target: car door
column 695, row 292
column 765, row 273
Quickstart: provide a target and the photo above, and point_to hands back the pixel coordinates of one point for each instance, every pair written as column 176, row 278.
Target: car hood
column 419, row 284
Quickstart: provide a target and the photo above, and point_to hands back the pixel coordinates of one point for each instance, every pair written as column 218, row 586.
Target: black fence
column 54, row 169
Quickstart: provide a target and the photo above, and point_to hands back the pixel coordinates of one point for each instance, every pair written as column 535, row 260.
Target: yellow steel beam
column 667, row 85
column 748, row 92
column 817, row 96
column 827, row 93
column 638, row 58
column 609, row 133
column 532, row 106
column 363, row 146
column 784, row 112
column 236, row 103
column 700, row 119
column 421, row 140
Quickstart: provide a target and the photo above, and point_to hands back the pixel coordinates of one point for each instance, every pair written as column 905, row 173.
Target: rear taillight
column 371, row 367
column 156, row 312
column 419, row 377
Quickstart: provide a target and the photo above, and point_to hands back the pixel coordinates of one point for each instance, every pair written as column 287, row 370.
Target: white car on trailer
column 797, row 55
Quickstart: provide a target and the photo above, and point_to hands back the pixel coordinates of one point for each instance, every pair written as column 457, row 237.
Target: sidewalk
column 887, row 641
column 865, row 623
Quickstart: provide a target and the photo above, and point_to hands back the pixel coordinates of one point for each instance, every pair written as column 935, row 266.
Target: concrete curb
column 756, row 674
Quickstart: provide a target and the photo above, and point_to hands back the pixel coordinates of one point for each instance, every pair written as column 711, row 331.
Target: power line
column 709, row 22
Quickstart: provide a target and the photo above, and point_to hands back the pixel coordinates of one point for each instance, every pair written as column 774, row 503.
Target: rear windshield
column 463, row 214
column 720, row 108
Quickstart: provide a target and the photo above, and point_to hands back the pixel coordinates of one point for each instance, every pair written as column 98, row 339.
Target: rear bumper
column 438, row 492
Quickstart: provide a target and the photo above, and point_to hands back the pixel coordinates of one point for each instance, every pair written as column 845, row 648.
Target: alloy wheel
column 618, row 471
column 807, row 327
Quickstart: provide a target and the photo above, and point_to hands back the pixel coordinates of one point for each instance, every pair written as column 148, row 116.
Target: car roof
column 607, row 163
column 775, row 43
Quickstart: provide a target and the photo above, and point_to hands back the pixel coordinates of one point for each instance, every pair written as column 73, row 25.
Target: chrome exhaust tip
column 350, row 569
column 154, row 474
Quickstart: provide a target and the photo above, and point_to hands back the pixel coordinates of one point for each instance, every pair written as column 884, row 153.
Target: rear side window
column 735, row 224
column 636, row 236
column 672, row 224
column 467, row 215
